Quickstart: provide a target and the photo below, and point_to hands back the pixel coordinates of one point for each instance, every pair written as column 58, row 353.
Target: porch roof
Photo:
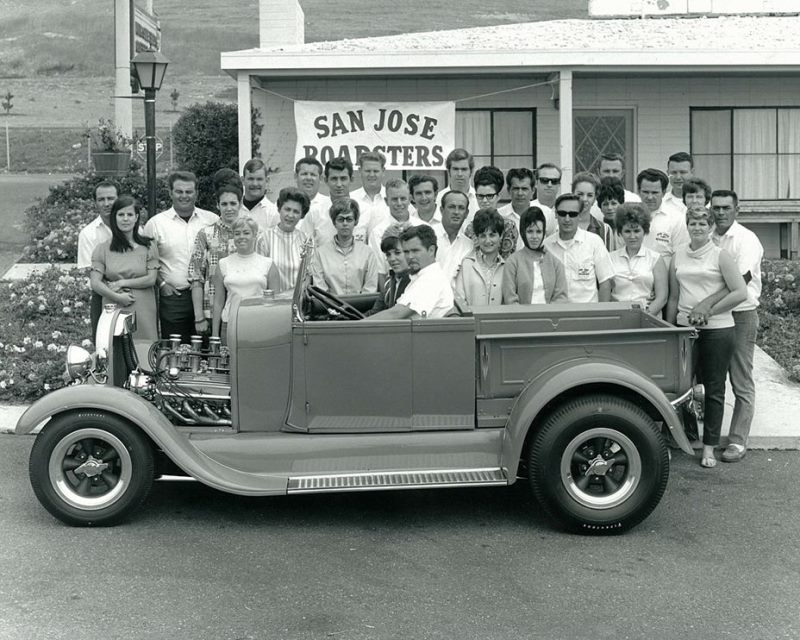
column 704, row 44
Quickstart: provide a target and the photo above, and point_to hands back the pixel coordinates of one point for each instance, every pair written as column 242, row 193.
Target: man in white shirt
column 174, row 231
column 255, row 202
column 667, row 226
column 460, row 164
column 548, row 186
column 612, row 165
column 423, row 190
column 307, row 174
column 338, row 174
column 429, row 294
column 587, row 265
column 453, row 245
column 746, row 249
column 519, row 182
column 680, row 167
column 93, row 234
column 371, row 196
column 397, row 201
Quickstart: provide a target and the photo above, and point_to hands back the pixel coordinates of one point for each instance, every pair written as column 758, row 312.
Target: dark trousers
column 95, row 311
column 712, row 353
column 176, row 314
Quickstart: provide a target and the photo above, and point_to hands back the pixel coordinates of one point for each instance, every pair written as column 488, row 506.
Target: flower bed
column 39, row 318
column 779, row 314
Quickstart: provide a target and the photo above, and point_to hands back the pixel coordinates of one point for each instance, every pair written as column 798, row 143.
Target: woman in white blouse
column 640, row 274
column 243, row 274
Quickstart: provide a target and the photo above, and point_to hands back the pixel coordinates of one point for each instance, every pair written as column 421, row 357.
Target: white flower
column 19, row 349
column 78, row 304
column 86, row 343
column 51, row 347
column 27, row 340
column 56, row 335
column 87, row 321
column 38, row 344
column 2, row 384
column 47, row 386
column 62, row 348
column 66, row 310
column 12, row 296
column 42, row 307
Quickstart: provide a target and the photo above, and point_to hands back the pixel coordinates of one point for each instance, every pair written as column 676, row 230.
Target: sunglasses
column 552, row 181
column 571, row 214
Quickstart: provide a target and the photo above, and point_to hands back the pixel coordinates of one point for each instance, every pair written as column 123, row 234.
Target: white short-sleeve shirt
column 746, row 249
column 633, row 276
column 92, row 235
column 667, row 232
column 586, row 264
column 265, row 213
column 429, row 293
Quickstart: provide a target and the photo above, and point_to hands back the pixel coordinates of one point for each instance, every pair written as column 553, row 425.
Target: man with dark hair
column 460, row 164
column 548, row 186
column 452, row 241
column 93, row 234
column 612, row 165
column 307, row 175
column 680, row 167
column 397, row 277
column 519, row 182
column 423, row 190
column 488, row 183
column 174, row 231
column 746, row 249
column 429, row 294
column 587, row 265
column 667, row 226
column 371, row 196
column 255, row 202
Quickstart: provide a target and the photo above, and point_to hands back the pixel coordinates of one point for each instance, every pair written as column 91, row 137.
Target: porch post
column 565, row 126
column 245, row 131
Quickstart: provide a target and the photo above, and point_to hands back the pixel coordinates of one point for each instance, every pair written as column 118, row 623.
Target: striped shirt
column 285, row 250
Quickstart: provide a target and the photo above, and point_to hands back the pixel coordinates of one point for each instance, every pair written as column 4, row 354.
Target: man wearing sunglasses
column 548, row 186
column 587, row 264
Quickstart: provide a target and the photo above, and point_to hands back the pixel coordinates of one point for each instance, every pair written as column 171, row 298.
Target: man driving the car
column 429, row 294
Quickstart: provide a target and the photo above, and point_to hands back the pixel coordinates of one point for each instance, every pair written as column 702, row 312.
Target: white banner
column 412, row 135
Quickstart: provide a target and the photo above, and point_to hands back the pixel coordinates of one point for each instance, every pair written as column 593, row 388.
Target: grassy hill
column 41, row 38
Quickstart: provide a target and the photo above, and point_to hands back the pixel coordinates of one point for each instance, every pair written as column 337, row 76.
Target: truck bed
column 518, row 343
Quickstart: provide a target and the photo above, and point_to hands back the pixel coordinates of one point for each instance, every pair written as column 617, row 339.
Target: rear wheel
column 598, row 465
column 91, row 468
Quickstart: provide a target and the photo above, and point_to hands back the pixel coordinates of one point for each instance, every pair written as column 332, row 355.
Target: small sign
column 146, row 33
column 141, row 149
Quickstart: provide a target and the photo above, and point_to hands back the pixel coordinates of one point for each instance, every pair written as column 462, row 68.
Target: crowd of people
column 674, row 248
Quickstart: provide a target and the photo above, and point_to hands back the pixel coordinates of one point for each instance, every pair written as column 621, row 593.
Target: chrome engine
column 189, row 384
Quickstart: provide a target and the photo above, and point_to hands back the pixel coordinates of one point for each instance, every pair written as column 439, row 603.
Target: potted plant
column 111, row 149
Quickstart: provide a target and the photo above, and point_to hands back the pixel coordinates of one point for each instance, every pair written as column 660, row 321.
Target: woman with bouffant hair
column 699, row 269
column 640, row 273
column 532, row 275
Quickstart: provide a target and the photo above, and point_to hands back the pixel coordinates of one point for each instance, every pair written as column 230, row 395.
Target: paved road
column 720, row 558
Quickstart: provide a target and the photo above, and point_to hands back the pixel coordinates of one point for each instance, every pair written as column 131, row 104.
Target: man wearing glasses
column 548, row 186
column 587, row 264
column 344, row 266
column 488, row 183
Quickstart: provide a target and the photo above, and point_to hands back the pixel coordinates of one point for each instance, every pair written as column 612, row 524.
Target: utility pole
column 123, row 106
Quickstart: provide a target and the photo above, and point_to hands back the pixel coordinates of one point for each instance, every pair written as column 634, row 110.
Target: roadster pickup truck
column 578, row 400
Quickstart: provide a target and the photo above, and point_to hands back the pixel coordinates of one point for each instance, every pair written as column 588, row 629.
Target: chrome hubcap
column 90, row 469
column 601, row 468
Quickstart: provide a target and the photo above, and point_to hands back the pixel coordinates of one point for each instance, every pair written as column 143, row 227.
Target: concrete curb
column 775, row 425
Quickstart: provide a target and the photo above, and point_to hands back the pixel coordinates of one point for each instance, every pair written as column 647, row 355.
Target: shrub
column 55, row 221
column 39, row 318
column 779, row 314
column 206, row 139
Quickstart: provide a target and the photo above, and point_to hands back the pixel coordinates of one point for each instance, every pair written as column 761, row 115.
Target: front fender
column 177, row 446
column 573, row 375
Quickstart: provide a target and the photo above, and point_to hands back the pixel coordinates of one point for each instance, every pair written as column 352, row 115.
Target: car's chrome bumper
column 684, row 398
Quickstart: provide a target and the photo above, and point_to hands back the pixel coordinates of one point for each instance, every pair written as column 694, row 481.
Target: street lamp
column 150, row 67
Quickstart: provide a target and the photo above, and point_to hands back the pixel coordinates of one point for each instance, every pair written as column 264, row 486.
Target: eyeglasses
column 485, row 196
column 571, row 214
column 552, row 181
column 345, row 219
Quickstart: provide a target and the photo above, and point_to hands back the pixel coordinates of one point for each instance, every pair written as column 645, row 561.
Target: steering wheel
column 334, row 304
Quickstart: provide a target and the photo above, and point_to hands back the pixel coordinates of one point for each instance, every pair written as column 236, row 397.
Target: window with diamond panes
column 599, row 132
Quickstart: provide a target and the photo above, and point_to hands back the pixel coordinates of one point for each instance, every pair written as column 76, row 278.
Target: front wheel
column 91, row 468
column 598, row 465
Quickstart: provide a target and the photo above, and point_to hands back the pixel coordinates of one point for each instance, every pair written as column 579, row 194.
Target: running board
column 397, row 480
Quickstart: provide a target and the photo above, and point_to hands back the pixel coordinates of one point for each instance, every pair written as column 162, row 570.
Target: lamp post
column 150, row 68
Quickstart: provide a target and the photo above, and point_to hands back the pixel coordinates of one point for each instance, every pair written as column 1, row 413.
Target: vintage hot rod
column 578, row 399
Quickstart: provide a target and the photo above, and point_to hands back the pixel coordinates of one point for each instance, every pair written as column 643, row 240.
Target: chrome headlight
column 79, row 362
